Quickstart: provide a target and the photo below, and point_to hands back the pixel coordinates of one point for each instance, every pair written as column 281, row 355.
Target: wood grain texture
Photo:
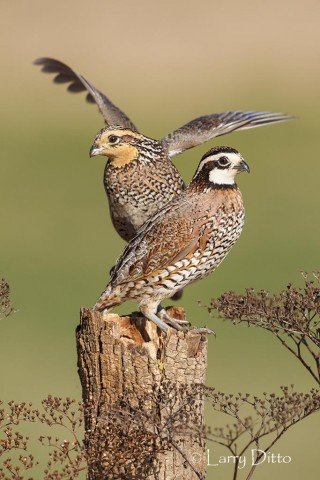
column 142, row 396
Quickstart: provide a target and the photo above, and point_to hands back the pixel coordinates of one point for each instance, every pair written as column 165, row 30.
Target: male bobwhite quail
column 139, row 176
column 183, row 242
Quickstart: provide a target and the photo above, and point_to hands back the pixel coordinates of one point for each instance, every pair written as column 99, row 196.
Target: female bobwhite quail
column 139, row 176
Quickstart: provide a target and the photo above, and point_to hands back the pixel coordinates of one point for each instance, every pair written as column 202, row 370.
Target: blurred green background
column 163, row 64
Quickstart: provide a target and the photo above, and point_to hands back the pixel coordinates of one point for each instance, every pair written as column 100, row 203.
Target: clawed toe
column 165, row 322
column 205, row 330
column 174, row 322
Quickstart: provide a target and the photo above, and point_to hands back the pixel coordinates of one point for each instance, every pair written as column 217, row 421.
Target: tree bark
column 143, row 400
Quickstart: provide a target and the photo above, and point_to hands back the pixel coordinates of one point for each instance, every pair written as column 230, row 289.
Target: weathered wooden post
column 143, row 398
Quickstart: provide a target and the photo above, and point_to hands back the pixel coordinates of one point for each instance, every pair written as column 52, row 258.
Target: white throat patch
column 222, row 177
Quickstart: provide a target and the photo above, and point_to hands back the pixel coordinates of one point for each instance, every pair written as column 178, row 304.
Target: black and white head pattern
column 220, row 165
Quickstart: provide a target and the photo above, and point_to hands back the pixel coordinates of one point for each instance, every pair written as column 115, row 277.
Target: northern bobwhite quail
column 139, row 177
column 183, row 242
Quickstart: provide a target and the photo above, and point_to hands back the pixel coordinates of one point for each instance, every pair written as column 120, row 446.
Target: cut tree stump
column 143, row 398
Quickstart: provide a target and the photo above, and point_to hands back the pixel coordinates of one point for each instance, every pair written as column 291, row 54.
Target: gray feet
column 165, row 322
column 155, row 319
column 175, row 323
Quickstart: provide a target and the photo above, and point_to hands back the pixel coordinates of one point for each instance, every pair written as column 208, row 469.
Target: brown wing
column 205, row 128
column 77, row 83
column 167, row 237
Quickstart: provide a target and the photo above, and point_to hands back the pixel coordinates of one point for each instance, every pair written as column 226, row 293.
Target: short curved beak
column 95, row 150
column 243, row 167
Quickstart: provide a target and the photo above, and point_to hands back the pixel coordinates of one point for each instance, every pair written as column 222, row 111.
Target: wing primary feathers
column 207, row 127
column 77, row 83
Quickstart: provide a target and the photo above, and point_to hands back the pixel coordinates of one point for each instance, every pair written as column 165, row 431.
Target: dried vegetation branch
column 293, row 317
column 258, row 423
column 5, row 304
column 128, row 437
column 66, row 458
column 130, row 433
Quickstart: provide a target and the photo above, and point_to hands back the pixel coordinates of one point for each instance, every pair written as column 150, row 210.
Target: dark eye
column 223, row 162
column 113, row 139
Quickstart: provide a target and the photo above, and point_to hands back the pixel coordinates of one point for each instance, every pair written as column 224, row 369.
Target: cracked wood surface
column 143, row 400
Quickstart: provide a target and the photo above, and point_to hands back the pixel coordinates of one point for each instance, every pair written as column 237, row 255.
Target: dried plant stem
column 298, row 355
column 292, row 316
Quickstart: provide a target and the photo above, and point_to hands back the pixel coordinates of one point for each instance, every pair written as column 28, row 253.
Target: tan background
column 163, row 63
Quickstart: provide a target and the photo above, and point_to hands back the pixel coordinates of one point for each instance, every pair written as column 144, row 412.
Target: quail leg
column 161, row 318
column 177, row 324
column 162, row 312
column 155, row 319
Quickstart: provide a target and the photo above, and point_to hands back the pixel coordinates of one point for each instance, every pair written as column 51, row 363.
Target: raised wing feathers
column 77, row 83
column 207, row 127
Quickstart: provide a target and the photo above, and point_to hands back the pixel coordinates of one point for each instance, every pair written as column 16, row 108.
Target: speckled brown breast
column 180, row 245
column 138, row 189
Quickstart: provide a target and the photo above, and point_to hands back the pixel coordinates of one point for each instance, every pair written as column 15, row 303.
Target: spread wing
column 164, row 239
column 207, row 127
column 77, row 83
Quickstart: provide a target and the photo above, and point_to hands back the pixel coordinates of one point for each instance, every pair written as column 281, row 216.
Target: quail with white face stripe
column 183, row 242
column 139, row 176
